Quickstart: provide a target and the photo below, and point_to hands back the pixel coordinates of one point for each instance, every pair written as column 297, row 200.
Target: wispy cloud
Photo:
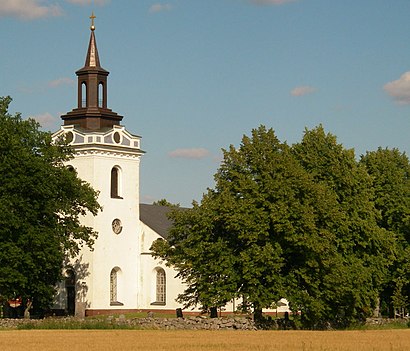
column 147, row 199
column 399, row 89
column 271, row 2
column 160, row 8
column 60, row 81
column 189, row 153
column 44, row 86
column 302, row 90
column 28, row 9
column 88, row 2
column 45, row 119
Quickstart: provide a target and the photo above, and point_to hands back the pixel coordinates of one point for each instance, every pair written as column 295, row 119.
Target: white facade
column 119, row 273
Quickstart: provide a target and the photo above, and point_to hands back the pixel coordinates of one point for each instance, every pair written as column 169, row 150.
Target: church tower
column 108, row 157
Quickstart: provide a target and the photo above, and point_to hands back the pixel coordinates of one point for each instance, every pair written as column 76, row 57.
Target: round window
column 116, row 226
column 117, row 137
column 69, row 137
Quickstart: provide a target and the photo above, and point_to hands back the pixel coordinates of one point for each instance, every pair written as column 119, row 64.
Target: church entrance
column 70, row 290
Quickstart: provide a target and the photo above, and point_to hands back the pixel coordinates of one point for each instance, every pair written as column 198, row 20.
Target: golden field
column 92, row 340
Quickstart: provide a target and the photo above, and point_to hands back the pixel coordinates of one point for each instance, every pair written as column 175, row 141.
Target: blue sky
column 192, row 76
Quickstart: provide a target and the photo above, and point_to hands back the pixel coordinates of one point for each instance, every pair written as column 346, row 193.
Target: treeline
column 309, row 222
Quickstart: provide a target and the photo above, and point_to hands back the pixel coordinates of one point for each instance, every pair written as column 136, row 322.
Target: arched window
column 84, row 96
column 115, row 183
column 101, row 96
column 161, row 286
column 114, row 285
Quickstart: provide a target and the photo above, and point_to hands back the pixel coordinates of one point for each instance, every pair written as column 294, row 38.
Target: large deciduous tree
column 363, row 250
column 41, row 202
column 283, row 221
column 390, row 170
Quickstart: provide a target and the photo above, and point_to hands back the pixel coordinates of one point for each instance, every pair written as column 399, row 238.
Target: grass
column 136, row 315
column 383, row 326
column 72, row 324
column 91, row 340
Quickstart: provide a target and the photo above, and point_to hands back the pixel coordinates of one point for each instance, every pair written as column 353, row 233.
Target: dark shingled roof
column 155, row 217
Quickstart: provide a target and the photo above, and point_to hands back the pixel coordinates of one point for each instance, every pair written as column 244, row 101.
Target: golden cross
column 92, row 21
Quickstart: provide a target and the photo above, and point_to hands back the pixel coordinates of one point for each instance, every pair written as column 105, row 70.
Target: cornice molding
column 90, row 151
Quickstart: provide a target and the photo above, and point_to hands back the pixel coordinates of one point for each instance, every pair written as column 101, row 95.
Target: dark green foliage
column 362, row 251
column 296, row 222
column 165, row 202
column 390, row 170
column 40, row 205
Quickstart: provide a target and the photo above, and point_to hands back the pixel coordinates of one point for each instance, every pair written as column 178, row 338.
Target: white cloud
column 399, row 89
column 145, row 199
column 302, row 90
column 189, row 153
column 42, row 87
column 160, row 7
column 60, row 81
column 28, row 9
column 88, row 2
column 46, row 119
column 271, row 2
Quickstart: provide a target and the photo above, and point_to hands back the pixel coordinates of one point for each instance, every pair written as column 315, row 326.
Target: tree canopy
column 284, row 221
column 390, row 170
column 41, row 203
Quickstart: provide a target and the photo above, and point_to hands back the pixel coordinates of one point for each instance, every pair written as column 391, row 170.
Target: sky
column 191, row 77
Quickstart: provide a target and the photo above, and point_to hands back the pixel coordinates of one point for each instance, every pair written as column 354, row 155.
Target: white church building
column 119, row 275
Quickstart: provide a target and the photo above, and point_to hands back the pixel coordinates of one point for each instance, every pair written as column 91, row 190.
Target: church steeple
column 92, row 59
column 92, row 112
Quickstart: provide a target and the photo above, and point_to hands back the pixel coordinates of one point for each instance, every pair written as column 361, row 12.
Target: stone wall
column 190, row 323
column 195, row 323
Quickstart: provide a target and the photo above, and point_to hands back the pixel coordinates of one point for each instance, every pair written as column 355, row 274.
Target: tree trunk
column 214, row 312
column 27, row 310
column 376, row 311
column 257, row 314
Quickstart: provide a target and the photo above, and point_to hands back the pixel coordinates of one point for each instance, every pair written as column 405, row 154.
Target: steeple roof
column 92, row 112
column 92, row 60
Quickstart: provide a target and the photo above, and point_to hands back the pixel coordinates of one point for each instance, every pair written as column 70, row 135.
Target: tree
column 390, row 171
column 165, row 202
column 41, row 202
column 364, row 251
column 221, row 247
column 295, row 222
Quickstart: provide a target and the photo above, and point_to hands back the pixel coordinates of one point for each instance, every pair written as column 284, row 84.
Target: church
column 119, row 275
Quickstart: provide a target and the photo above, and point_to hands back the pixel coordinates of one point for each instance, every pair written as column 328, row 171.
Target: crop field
column 91, row 340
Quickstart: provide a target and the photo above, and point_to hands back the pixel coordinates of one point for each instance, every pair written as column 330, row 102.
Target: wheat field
column 124, row 340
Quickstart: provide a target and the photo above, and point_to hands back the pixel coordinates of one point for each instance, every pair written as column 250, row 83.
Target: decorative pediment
column 116, row 139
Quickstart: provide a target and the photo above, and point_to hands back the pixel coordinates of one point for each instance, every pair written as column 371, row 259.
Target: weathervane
column 92, row 21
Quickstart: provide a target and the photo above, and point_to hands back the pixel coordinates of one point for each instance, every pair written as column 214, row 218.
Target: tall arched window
column 115, row 183
column 114, row 285
column 161, row 286
column 84, row 96
column 101, row 96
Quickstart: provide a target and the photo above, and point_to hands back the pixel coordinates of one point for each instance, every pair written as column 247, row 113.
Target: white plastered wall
column 148, row 268
column 93, row 162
